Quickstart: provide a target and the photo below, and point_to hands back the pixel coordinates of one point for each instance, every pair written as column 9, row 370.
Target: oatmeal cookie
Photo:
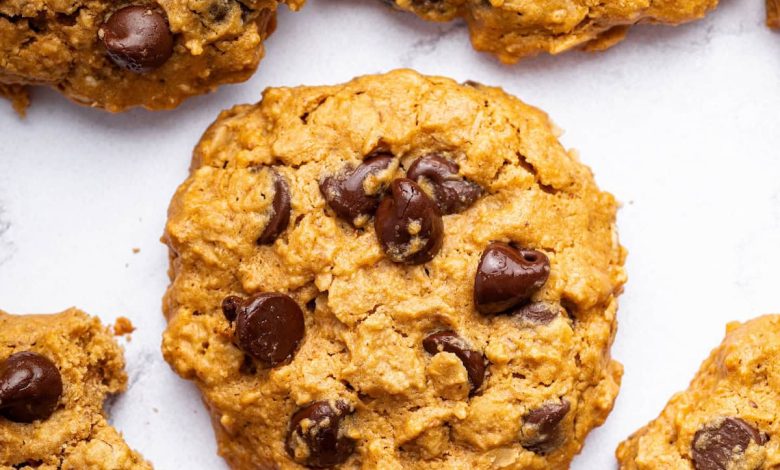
column 56, row 371
column 396, row 272
column 116, row 55
column 514, row 29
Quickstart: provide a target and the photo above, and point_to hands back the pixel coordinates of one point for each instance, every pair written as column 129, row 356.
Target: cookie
column 773, row 14
column 516, row 29
column 727, row 419
column 56, row 371
column 396, row 272
column 116, row 55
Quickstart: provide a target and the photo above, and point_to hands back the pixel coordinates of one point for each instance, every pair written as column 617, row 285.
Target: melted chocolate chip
column 30, row 387
column 137, row 38
column 451, row 191
column 408, row 224
column 269, row 328
column 449, row 341
column 346, row 194
column 230, row 306
column 718, row 445
column 315, row 437
column 537, row 313
column 540, row 431
column 280, row 217
column 507, row 277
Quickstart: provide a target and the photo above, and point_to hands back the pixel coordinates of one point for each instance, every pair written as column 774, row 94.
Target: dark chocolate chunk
column 507, row 277
column 451, row 191
column 30, row 387
column 449, row 341
column 137, row 38
column 315, row 437
column 269, row 328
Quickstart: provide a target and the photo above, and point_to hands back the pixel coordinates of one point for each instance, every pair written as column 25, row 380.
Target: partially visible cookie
column 399, row 272
column 773, row 14
column 116, row 55
column 514, row 29
column 56, row 371
column 728, row 417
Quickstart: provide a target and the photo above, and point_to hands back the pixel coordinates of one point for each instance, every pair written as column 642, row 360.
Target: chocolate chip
column 30, row 387
column 315, row 437
column 507, row 277
column 717, row 445
column 537, row 313
column 269, row 328
column 449, row 341
column 348, row 195
column 137, row 38
column 280, row 217
column 408, row 224
column 540, row 432
column 230, row 306
column 451, row 191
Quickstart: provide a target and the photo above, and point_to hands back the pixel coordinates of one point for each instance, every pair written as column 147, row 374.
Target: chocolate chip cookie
column 117, row 55
column 727, row 419
column 396, row 272
column 515, row 29
column 56, row 372
column 773, row 14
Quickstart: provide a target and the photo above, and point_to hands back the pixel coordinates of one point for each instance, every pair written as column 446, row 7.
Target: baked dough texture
column 366, row 316
column 514, row 29
column 61, row 44
column 727, row 418
column 76, row 436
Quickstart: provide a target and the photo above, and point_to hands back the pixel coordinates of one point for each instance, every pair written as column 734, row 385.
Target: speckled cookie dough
column 727, row 419
column 116, row 55
column 56, row 371
column 399, row 272
column 514, row 29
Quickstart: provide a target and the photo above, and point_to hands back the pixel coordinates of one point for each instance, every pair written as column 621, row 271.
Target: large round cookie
column 397, row 272
column 116, row 55
column 514, row 29
column 728, row 417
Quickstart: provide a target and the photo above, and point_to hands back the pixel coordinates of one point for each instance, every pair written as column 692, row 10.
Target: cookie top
column 728, row 417
column 396, row 272
column 514, row 29
column 56, row 371
column 116, row 55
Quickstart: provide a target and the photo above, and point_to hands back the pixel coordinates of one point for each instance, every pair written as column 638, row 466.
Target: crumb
column 136, row 250
column 123, row 326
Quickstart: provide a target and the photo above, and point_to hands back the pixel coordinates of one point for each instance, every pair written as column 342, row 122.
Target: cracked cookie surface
column 727, row 418
column 357, row 336
column 85, row 364
column 514, row 29
column 117, row 55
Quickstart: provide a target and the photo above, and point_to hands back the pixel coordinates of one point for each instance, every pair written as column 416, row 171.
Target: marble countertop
column 681, row 124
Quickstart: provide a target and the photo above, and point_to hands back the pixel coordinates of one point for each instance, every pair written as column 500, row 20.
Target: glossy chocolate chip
column 137, row 38
column 269, row 328
column 537, row 313
column 315, row 437
column 449, row 341
column 451, row 191
column 280, row 217
column 717, row 446
column 230, row 306
column 408, row 224
column 346, row 194
column 30, row 387
column 507, row 277
column 540, row 431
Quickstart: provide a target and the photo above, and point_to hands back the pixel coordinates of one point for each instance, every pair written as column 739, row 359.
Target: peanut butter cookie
column 727, row 419
column 116, row 55
column 514, row 29
column 55, row 373
column 399, row 272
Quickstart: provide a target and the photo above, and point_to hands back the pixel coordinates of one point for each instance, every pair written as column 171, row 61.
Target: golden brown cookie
column 399, row 272
column 514, row 29
column 56, row 371
column 773, row 14
column 116, row 55
column 727, row 419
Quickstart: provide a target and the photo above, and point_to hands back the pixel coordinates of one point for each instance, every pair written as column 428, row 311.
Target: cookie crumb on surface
column 136, row 250
column 123, row 326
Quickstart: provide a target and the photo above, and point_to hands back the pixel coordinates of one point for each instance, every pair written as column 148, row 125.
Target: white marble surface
column 681, row 124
